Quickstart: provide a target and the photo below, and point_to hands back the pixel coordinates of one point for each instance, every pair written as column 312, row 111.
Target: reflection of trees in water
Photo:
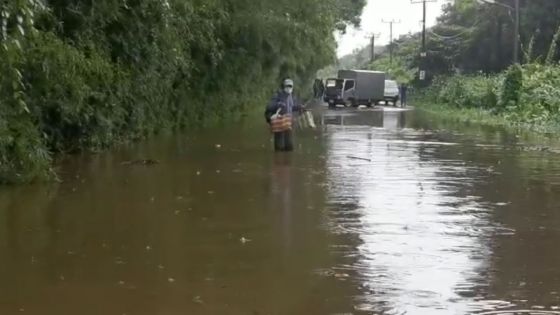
column 282, row 194
column 25, row 235
column 517, row 197
column 296, row 198
column 524, row 260
column 389, row 119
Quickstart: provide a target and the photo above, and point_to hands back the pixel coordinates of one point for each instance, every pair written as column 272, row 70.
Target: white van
column 391, row 92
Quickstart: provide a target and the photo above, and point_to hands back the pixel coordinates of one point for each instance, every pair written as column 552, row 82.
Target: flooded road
column 377, row 212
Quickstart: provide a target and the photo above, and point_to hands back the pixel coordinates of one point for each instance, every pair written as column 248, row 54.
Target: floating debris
column 359, row 158
column 244, row 240
column 171, row 280
column 141, row 162
column 341, row 275
column 197, row 300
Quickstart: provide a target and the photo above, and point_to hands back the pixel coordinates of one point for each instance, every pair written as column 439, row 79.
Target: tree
column 83, row 74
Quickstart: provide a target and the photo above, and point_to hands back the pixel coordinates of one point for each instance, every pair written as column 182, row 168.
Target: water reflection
column 229, row 229
column 419, row 251
column 377, row 212
column 281, row 193
column 389, row 118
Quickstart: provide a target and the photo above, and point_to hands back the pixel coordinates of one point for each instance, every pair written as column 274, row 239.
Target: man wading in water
column 278, row 114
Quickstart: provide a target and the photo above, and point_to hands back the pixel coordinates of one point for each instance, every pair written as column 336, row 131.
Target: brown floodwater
column 376, row 212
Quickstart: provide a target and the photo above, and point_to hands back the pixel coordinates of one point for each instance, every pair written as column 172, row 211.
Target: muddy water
column 378, row 212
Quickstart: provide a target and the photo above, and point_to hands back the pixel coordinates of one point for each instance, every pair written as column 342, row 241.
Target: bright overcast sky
column 409, row 14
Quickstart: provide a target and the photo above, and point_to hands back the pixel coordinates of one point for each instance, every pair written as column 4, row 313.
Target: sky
column 410, row 16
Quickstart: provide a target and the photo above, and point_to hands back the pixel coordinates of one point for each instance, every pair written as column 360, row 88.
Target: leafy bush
column 539, row 97
column 467, row 91
column 528, row 94
column 83, row 74
column 510, row 89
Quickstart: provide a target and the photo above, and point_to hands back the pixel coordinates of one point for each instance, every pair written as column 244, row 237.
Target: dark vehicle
column 355, row 87
column 334, row 92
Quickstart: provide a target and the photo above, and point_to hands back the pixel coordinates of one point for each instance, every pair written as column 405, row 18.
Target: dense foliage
column 470, row 56
column 526, row 95
column 473, row 36
column 82, row 74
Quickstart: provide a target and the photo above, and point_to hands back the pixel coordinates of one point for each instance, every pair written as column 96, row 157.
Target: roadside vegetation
column 523, row 96
column 83, row 75
column 469, row 64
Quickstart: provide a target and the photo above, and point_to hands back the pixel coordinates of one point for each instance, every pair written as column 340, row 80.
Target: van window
column 391, row 84
column 348, row 85
column 334, row 83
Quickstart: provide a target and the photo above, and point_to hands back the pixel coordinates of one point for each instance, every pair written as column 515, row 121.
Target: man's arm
column 298, row 106
column 272, row 107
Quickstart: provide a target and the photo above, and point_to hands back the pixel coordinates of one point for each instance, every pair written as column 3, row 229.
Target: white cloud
column 410, row 16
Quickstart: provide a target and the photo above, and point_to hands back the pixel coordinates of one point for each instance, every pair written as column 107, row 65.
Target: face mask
column 288, row 90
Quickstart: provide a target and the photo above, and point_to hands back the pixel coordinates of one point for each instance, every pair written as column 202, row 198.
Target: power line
column 467, row 30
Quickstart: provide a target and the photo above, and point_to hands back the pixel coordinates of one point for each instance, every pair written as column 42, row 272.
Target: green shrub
column 83, row 75
column 467, row 91
column 528, row 94
column 510, row 89
column 539, row 97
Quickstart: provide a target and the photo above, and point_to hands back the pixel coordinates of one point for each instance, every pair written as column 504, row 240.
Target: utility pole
column 373, row 37
column 391, row 22
column 516, row 40
column 372, row 48
column 516, row 12
column 423, row 52
column 424, row 26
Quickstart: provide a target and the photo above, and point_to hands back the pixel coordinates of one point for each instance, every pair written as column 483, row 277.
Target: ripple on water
column 419, row 228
